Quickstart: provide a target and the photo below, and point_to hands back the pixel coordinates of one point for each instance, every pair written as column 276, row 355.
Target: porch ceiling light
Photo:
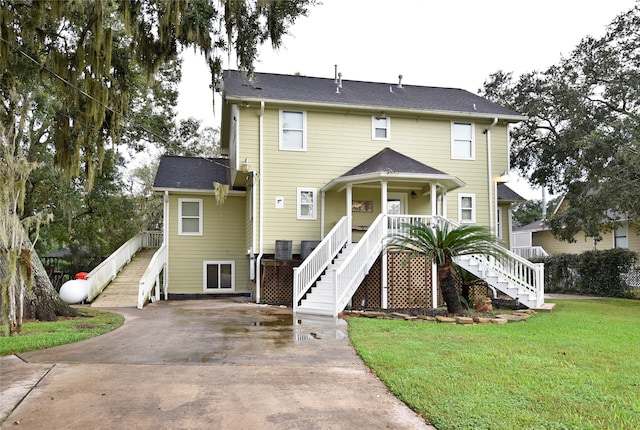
column 504, row 177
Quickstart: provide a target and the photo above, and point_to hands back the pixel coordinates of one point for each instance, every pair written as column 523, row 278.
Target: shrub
column 592, row 272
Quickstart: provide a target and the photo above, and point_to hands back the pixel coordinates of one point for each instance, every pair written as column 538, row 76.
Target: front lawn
column 40, row 335
column 575, row 368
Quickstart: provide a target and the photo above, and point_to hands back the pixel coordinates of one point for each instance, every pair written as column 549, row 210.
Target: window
column 462, row 142
column 380, row 128
column 293, row 136
column 620, row 237
column 190, row 217
column 499, row 222
column 219, row 276
column 307, row 203
column 467, row 208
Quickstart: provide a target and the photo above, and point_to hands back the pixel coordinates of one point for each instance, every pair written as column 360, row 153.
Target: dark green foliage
column 583, row 128
column 590, row 273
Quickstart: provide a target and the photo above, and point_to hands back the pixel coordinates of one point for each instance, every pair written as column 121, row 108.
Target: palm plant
column 440, row 243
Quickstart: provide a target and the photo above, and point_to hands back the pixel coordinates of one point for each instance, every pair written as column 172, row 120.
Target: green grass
column 575, row 368
column 39, row 335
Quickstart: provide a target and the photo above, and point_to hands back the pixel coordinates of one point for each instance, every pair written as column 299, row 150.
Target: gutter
column 487, row 132
column 368, row 108
column 261, row 181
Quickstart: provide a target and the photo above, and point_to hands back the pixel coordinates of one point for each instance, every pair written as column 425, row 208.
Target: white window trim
column 314, row 214
column 304, row 131
column 473, row 208
column 625, row 227
column 473, row 141
column 219, row 263
column 373, row 127
column 182, row 233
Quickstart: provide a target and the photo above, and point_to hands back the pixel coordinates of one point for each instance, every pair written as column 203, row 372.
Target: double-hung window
column 293, row 130
column 467, row 208
column 462, row 141
column 307, row 203
column 380, row 128
column 190, row 217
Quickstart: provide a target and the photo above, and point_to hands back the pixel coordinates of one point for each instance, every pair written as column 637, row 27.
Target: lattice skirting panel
column 408, row 282
column 369, row 291
column 276, row 287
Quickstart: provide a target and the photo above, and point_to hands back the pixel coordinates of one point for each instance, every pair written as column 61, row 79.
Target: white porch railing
column 151, row 277
column 106, row 271
column 312, row 267
column 530, row 252
column 152, row 239
column 356, row 266
column 511, row 273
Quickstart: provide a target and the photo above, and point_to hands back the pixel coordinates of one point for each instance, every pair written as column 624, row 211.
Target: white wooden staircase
column 328, row 278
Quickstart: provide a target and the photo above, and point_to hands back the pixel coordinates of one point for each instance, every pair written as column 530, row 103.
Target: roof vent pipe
column 335, row 73
column 399, row 81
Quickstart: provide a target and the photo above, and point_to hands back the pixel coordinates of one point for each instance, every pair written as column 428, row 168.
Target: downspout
column 261, row 182
column 165, row 228
column 487, row 132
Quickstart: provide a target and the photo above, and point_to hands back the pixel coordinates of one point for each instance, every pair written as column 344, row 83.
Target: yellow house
column 536, row 239
column 317, row 172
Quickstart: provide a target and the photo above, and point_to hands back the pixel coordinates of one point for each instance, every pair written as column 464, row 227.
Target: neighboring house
column 319, row 171
column 536, row 239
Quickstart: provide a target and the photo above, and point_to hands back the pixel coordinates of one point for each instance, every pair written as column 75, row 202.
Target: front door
column 396, row 203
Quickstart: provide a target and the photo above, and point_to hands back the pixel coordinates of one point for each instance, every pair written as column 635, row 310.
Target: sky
column 454, row 43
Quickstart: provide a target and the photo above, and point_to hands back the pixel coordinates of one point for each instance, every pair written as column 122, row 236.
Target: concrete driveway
column 202, row 364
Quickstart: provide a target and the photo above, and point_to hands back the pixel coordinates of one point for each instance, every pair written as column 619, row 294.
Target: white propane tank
column 74, row 291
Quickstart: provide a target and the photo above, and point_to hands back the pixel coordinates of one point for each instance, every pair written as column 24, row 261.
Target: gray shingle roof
column 507, row 194
column 268, row 86
column 191, row 173
column 390, row 161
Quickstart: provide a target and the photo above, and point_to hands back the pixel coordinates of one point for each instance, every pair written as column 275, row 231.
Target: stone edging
column 516, row 316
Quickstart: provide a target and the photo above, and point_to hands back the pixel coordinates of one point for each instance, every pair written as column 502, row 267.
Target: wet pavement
column 202, row 364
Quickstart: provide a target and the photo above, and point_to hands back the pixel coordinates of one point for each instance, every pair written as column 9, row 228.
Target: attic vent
column 339, row 83
column 399, row 81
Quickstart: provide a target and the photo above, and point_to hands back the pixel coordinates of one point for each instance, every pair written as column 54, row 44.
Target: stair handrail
column 523, row 273
column 106, row 271
column 151, row 276
column 319, row 259
column 357, row 264
column 526, row 275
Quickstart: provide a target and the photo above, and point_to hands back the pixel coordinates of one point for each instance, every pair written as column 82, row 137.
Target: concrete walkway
column 204, row 364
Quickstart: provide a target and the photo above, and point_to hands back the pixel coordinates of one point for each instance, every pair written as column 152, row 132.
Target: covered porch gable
column 399, row 179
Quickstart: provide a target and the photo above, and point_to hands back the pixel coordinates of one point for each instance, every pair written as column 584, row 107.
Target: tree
column 442, row 242
column 525, row 213
column 73, row 74
column 582, row 134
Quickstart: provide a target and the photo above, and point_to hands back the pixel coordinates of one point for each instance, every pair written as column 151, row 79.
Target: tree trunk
column 448, row 288
column 41, row 301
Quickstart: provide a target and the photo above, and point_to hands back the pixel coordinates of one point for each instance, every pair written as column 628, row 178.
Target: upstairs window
column 467, row 208
column 380, row 128
column 462, row 141
column 293, row 136
column 190, row 217
column 620, row 237
column 307, row 203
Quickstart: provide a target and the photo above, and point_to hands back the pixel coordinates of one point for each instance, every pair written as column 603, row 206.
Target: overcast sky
column 454, row 43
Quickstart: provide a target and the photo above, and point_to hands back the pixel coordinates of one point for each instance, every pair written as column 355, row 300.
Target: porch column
column 434, row 199
column 349, row 197
column 385, row 224
column 444, row 203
